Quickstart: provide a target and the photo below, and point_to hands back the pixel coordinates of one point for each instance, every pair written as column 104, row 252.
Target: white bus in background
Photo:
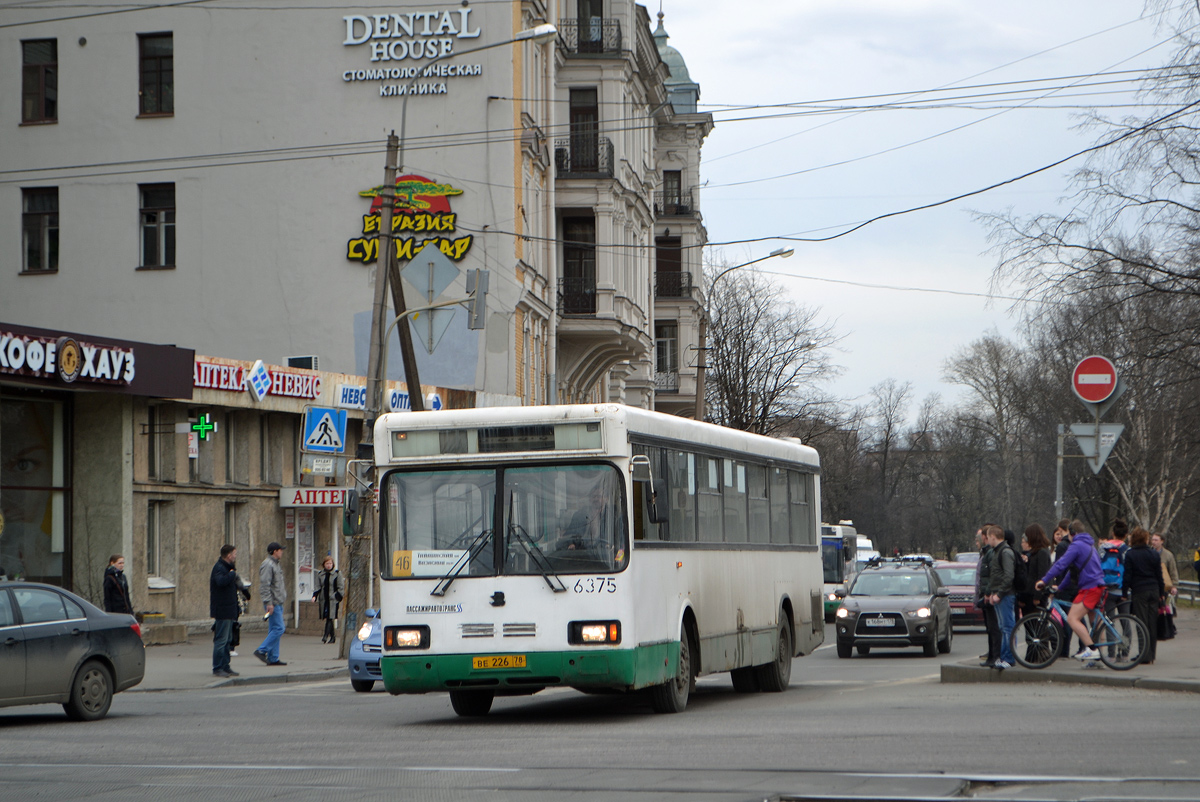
column 599, row 547
column 839, row 547
column 866, row 550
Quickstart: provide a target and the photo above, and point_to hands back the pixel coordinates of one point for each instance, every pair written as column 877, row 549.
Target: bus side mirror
column 656, row 502
column 352, row 519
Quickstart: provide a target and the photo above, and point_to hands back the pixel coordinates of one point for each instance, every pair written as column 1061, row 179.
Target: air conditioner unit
column 305, row 362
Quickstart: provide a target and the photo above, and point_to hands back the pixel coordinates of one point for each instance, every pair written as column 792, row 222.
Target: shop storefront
column 66, row 422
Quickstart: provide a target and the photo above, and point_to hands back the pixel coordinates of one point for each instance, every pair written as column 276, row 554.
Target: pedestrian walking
column 1144, row 586
column 1000, row 591
column 116, row 587
column 1159, row 544
column 223, row 607
column 274, row 595
column 331, row 589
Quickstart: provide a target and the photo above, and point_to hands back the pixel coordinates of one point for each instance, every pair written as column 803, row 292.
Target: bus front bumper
column 619, row 669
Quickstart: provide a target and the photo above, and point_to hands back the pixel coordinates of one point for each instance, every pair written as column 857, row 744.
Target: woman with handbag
column 331, row 589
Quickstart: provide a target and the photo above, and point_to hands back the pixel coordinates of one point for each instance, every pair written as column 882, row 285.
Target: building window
column 579, row 266
column 672, row 188
column 154, row 538
column 584, row 110
column 157, row 88
column 39, row 81
column 666, row 341
column 158, row 225
column 39, row 229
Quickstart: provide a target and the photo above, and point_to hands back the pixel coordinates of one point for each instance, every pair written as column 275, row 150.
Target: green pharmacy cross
column 204, row 426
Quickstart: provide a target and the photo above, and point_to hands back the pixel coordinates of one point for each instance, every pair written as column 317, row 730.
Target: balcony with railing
column 672, row 284
column 587, row 156
column 675, row 204
column 590, row 36
column 576, row 296
column 666, row 381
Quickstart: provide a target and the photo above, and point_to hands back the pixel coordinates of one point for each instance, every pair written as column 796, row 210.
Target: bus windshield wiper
column 472, row 552
column 533, row 550
column 517, row 532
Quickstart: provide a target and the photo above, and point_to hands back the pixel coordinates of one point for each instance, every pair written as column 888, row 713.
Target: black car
column 58, row 648
column 895, row 603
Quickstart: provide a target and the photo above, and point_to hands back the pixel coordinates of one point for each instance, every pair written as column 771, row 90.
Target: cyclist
column 1082, row 556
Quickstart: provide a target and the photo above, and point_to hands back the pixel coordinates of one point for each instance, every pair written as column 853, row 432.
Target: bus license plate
column 499, row 661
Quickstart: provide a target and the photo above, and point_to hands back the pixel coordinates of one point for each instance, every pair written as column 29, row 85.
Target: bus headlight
column 832, row 597
column 406, row 637
column 593, row 633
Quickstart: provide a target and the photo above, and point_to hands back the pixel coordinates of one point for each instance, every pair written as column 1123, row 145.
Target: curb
column 966, row 673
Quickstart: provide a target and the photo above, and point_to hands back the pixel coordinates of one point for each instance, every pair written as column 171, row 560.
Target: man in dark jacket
column 223, row 606
column 1000, row 593
column 1144, row 586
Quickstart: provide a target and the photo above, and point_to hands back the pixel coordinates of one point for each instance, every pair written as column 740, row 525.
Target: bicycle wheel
column 1036, row 640
column 1122, row 642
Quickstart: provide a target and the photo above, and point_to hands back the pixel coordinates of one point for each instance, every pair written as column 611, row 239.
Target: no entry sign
column 1094, row 379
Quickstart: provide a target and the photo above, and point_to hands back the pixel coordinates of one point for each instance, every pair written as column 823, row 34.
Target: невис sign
column 421, row 207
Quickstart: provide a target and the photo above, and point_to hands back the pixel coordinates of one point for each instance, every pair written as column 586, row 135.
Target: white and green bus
column 599, row 547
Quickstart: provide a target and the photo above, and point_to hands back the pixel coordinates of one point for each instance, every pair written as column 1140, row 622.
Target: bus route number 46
column 599, row 584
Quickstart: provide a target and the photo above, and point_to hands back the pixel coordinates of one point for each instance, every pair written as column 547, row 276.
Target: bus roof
column 633, row 420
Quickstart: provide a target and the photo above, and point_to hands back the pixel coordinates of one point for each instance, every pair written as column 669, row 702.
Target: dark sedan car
column 895, row 603
column 58, row 648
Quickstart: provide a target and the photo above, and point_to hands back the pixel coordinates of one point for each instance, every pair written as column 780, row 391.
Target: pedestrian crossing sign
column 325, row 430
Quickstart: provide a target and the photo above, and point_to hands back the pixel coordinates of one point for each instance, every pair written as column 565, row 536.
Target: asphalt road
column 885, row 713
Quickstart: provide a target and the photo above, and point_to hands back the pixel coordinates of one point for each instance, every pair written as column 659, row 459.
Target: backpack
column 1112, row 563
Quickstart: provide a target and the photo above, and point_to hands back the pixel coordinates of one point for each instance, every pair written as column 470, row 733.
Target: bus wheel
column 774, row 677
column 472, row 703
column 672, row 696
column 745, row 680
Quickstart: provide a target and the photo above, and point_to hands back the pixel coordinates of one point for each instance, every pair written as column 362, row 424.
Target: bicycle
column 1037, row 638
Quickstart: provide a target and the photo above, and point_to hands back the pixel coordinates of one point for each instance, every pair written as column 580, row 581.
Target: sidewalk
column 1177, row 667
column 187, row 666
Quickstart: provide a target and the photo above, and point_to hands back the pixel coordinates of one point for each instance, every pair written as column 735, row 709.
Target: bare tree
column 768, row 357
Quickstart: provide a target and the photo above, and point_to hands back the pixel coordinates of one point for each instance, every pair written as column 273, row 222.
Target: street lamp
column 702, row 363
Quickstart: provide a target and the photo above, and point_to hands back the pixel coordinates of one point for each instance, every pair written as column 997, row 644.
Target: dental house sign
column 398, row 43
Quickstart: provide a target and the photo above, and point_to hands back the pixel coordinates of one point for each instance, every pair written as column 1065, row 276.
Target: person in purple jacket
column 1082, row 556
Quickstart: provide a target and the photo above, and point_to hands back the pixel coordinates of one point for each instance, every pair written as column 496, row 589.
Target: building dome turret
column 683, row 91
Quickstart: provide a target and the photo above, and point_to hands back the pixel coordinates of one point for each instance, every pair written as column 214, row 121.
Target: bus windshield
column 553, row 519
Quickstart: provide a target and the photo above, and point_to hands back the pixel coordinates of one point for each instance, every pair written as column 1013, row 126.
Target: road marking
column 248, row 767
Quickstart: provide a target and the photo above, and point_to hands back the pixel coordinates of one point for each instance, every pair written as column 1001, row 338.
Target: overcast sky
column 799, row 51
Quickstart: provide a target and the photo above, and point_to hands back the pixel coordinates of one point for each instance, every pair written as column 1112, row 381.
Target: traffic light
column 477, row 287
